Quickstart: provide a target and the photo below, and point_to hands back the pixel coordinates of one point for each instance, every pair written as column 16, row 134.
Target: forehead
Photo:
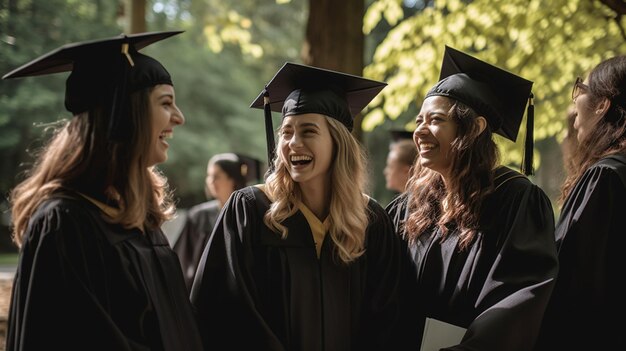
column 306, row 119
column 439, row 103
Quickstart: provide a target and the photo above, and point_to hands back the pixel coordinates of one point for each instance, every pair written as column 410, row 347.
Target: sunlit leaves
column 548, row 42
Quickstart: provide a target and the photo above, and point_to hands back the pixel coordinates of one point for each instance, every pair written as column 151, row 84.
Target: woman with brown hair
column 587, row 307
column 95, row 270
column 479, row 237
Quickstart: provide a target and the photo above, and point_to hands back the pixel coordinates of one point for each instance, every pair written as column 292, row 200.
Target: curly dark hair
column 474, row 161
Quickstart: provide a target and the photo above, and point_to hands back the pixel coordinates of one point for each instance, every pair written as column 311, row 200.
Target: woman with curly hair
column 479, row 237
column 305, row 261
column 586, row 308
column 87, row 217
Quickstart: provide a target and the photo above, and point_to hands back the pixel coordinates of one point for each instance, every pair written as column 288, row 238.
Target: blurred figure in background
column 226, row 173
column 400, row 159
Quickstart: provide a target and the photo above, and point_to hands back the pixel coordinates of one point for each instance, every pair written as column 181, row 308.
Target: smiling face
column 435, row 131
column 306, row 149
column 165, row 116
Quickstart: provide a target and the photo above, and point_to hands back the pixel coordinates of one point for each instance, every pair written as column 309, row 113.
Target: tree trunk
column 135, row 16
column 335, row 40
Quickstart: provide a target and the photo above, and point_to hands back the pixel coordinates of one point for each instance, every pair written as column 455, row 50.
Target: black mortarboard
column 397, row 135
column 500, row 96
column 298, row 89
column 104, row 72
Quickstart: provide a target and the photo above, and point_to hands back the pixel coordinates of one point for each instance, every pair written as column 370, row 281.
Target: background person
column 226, row 172
column 400, row 159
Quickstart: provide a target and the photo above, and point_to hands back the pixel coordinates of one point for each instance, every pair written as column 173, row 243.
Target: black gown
column 199, row 223
column 256, row 291
column 587, row 308
column 85, row 284
column 499, row 286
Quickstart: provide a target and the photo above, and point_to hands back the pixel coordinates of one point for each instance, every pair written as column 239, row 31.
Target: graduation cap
column 250, row 168
column 397, row 135
column 298, row 89
column 500, row 96
column 104, row 73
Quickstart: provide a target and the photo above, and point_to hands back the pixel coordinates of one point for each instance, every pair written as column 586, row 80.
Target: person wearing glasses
column 478, row 236
column 587, row 306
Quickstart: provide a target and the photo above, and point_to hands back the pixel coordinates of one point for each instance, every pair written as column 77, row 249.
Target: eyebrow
column 303, row 125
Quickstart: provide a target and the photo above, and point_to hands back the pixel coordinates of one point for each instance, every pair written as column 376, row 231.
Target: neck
column 317, row 199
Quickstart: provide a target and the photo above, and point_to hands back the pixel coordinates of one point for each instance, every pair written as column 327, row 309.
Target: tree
column 549, row 42
column 334, row 39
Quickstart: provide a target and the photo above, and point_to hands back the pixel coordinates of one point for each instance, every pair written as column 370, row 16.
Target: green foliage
column 548, row 42
column 214, row 88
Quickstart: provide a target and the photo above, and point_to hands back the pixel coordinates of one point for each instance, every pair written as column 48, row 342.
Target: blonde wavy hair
column 79, row 155
column 348, row 215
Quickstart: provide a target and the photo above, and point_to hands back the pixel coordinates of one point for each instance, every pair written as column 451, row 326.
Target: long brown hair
column 475, row 156
column 606, row 81
column 348, row 208
column 80, row 157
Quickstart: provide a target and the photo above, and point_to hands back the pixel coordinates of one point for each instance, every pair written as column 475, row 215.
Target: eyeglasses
column 579, row 88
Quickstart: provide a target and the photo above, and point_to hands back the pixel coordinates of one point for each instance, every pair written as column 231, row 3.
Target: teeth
column 300, row 158
column 426, row 145
column 166, row 135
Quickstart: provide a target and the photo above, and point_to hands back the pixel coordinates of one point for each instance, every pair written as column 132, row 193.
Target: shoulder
column 208, row 206
column 506, row 177
column 64, row 206
column 614, row 165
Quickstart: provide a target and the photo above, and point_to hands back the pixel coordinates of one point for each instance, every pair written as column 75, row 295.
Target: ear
column 603, row 107
column 482, row 124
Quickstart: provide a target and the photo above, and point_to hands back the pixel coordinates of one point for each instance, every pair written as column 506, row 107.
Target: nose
column 178, row 117
column 420, row 130
column 295, row 141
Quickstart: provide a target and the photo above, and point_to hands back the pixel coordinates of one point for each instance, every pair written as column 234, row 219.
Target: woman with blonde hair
column 306, row 261
column 87, row 217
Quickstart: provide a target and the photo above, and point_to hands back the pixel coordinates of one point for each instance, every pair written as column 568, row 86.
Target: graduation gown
column 499, row 286
column 588, row 306
column 198, row 226
column 254, row 290
column 85, row 284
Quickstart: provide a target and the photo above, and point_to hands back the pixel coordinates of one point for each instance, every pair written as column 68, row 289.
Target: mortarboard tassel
column 269, row 130
column 119, row 130
column 527, row 163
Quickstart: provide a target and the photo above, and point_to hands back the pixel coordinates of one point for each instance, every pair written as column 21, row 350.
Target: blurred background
column 232, row 48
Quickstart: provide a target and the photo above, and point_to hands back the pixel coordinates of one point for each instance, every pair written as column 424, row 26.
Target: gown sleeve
column 588, row 301
column 511, row 300
column 59, row 267
column 223, row 291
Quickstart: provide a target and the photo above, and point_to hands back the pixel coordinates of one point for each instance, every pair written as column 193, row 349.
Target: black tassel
column 527, row 164
column 119, row 120
column 269, row 131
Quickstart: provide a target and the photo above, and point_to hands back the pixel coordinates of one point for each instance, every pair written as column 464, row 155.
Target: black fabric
column 104, row 73
column 500, row 96
column 85, row 284
column 587, row 306
column 325, row 102
column 499, row 286
column 199, row 223
column 254, row 290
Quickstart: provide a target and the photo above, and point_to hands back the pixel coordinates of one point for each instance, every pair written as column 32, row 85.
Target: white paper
column 438, row 334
